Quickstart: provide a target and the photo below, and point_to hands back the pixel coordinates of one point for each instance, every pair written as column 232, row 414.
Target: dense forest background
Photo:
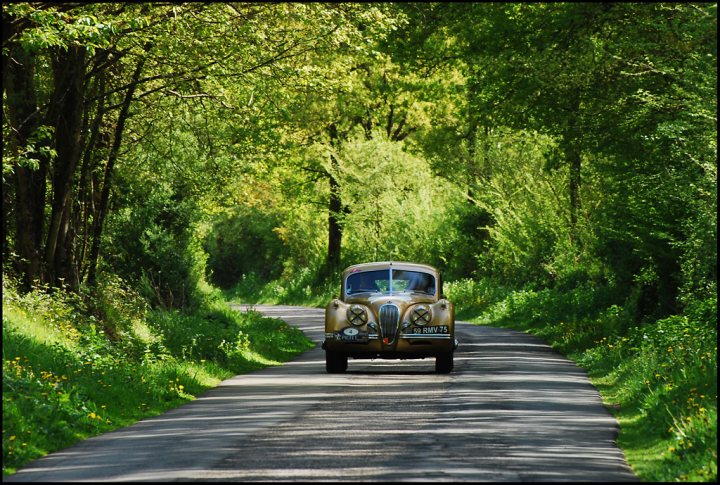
column 165, row 147
column 548, row 144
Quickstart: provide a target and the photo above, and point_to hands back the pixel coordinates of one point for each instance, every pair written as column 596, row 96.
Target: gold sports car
column 390, row 310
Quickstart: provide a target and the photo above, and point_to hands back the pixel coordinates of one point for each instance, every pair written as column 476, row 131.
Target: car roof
column 389, row 264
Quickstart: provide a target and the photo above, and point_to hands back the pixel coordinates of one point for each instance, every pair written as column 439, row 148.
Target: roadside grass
column 658, row 378
column 77, row 366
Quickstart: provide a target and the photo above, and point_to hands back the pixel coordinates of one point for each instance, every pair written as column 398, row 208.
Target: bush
column 154, row 246
column 661, row 375
column 76, row 365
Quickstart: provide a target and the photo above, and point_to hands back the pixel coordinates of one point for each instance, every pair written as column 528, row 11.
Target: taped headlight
column 357, row 315
column 421, row 315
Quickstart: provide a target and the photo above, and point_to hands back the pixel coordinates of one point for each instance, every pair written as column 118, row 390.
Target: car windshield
column 390, row 281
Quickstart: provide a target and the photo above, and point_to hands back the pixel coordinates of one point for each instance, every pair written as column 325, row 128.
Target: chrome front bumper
column 409, row 336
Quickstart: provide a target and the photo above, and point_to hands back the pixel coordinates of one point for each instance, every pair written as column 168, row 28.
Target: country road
column 512, row 410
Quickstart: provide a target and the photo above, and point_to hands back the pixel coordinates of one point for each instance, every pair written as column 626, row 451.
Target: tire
column 335, row 363
column 444, row 363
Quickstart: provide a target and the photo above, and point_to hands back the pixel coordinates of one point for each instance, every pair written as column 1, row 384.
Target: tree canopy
column 536, row 143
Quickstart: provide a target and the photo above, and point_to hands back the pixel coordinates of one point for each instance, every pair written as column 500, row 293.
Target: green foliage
column 396, row 208
column 611, row 84
column 38, row 145
column 472, row 296
column 76, row 366
column 660, row 377
column 526, row 204
column 306, row 286
column 53, row 27
column 244, row 242
column 665, row 374
column 219, row 336
column 153, row 244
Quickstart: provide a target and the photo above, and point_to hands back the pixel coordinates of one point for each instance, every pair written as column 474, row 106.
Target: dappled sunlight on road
column 512, row 410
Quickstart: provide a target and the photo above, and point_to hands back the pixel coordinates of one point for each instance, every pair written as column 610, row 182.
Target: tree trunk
column 571, row 149
column 472, row 172
column 334, row 210
column 8, row 195
column 472, row 165
column 85, row 200
column 573, row 160
column 107, row 180
column 29, row 204
column 69, row 70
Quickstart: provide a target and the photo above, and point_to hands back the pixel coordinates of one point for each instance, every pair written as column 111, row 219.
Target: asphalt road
column 512, row 410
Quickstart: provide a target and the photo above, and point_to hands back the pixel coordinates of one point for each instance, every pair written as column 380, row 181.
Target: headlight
column 421, row 315
column 357, row 315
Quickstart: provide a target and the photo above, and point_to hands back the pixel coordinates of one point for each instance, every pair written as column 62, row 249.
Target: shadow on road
column 512, row 410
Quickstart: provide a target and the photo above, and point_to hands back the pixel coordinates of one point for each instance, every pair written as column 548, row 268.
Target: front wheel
column 335, row 363
column 444, row 363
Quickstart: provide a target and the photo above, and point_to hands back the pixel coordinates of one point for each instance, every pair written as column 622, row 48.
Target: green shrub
column 310, row 286
column 154, row 245
column 661, row 375
column 75, row 365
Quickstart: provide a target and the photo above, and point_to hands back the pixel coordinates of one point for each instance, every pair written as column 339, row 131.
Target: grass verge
column 658, row 378
column 77, row 366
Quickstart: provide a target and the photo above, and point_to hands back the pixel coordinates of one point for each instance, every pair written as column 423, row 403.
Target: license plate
column 351, row 335
column 433, row 329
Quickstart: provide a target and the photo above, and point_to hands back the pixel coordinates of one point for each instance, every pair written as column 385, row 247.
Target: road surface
column 512, row 410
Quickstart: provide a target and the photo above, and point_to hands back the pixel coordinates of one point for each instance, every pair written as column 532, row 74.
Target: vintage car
column 390, row 310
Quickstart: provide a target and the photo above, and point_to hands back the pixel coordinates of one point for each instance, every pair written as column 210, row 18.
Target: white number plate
column 432, row 329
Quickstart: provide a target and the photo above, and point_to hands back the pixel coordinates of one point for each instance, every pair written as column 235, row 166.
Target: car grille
column 389, row 319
